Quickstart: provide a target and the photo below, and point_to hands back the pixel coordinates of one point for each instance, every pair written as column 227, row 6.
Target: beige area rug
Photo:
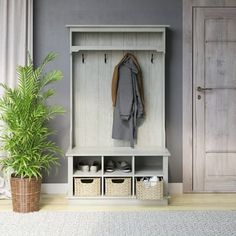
column 140, row 223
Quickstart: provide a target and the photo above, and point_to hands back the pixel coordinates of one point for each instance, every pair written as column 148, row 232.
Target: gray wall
column 50, row 34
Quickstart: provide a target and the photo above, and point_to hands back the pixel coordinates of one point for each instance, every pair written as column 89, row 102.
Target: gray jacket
column 129, row 109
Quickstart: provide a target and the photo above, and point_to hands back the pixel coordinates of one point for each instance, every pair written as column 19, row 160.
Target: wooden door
column 214, row 99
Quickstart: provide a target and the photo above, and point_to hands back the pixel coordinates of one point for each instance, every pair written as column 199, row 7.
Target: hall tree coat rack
column 94, row 52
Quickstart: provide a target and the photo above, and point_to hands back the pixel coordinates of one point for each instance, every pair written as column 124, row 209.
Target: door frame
column 188, row 9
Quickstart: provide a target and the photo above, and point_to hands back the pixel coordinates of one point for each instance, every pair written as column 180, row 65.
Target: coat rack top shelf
column 122, row 38
column 117, row 28
column 114, row 48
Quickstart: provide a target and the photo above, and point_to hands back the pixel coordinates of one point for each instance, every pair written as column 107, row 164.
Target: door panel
column 220, row 172
column 220, row 27
column 214, row 156
column 220, row 121
column 217, row 164
column 220, row 64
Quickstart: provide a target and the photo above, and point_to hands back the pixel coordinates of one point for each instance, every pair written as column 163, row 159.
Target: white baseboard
column 54, row 188
column 174, row 188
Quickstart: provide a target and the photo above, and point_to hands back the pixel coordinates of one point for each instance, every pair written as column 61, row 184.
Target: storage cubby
column 148, row 166
column 117, row 170
column 86, row 160
column 94, row 53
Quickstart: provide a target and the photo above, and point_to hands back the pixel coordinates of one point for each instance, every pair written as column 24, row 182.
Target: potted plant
column 24, row 136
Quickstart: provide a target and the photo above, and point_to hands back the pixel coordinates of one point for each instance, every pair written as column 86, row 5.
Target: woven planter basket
column 25, row 194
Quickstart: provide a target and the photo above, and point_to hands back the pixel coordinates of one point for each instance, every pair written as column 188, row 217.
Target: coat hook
column 152, row 59
column 82, row 58
column 105, row 58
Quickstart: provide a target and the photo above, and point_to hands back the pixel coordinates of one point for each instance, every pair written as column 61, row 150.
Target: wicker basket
column 147, row 192
column 118, row 187
column 25, row 194
column 87, row 187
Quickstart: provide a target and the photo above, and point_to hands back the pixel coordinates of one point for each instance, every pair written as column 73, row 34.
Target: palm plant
column 24, row 114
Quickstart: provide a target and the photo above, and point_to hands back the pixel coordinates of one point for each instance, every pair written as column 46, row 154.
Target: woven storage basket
column 118, row 186
column 25, row 194
column 147, row 192
column 87, row 187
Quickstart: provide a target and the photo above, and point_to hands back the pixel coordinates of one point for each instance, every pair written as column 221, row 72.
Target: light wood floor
column 176, row 202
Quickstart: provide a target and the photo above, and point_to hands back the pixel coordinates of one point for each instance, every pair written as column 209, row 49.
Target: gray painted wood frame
column 188, row 7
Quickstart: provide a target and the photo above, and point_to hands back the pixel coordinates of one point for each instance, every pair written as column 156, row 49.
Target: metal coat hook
column 82, row 58
column 152, row 59
column 105, row 58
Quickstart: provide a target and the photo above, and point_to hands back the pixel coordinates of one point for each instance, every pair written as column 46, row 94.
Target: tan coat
column 115, row 78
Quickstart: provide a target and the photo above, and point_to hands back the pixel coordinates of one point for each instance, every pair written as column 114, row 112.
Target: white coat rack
column 95, row 50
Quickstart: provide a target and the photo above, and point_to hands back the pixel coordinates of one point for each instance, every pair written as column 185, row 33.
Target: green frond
column 23, row 111
column 49, row 78
column 48, row 93
column 50, row 57
column 53, row 111
column 6, row 88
